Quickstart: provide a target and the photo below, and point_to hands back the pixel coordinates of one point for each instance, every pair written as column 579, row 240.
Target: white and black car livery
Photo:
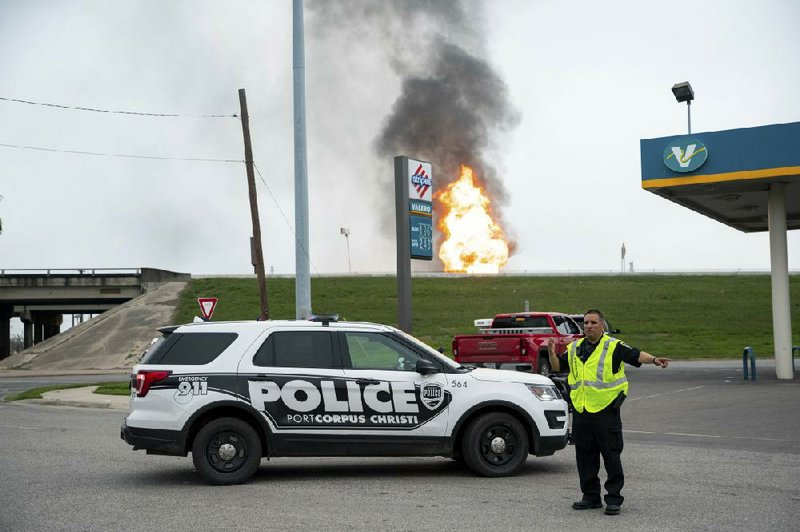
column 232, row 393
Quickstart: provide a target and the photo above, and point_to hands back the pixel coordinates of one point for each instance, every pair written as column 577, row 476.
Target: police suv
column 232, row 393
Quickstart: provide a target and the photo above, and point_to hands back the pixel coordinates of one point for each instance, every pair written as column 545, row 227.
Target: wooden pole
column 256, row 251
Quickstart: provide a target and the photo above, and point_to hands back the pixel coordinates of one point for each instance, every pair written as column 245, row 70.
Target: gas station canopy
column 726, row 175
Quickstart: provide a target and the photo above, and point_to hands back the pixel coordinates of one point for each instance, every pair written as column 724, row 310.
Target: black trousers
column 595, row 435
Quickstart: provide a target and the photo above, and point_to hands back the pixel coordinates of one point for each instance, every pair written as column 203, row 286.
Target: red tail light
column 146, row 378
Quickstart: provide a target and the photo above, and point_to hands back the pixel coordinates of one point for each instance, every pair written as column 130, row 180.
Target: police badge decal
column 432, row 395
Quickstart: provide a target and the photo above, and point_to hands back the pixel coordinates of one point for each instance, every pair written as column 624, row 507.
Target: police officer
column 597, row 388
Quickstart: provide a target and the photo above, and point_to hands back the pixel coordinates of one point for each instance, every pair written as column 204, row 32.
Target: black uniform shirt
column 622, row 353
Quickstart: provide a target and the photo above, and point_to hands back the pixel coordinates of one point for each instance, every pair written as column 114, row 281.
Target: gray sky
column 586, row 80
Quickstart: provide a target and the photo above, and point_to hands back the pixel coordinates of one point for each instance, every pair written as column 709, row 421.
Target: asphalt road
column 703, row 451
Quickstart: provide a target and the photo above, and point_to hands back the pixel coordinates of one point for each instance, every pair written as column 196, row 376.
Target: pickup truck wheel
column 495, row 445
column 544, row 365
column 226, row 451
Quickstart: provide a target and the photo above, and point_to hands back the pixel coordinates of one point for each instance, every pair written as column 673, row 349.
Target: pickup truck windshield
column 520, row 322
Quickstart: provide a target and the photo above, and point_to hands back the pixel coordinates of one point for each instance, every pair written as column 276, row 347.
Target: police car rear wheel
column 226, row 451
column 495, row 445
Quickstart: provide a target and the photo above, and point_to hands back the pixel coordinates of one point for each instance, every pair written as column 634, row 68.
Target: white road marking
column 705, row 435
column 692, row 435
column 760, row 439
column 667, row 393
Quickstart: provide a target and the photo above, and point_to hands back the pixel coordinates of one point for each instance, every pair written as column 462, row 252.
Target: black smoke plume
column 453, row 106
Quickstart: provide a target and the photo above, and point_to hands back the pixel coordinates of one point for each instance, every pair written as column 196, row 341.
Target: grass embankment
column 104, row 388
column 680, row 316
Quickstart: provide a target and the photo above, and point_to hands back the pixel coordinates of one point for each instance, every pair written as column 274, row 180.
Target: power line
column 285, row 219
column 127, row 156
column 94, row 110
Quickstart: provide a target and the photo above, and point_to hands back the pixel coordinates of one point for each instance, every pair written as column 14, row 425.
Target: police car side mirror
column 425, row 367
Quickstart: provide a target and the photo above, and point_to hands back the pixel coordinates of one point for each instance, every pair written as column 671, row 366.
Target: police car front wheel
column 226, row 451
column 495, row 444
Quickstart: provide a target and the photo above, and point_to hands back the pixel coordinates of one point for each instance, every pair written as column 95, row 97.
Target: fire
column 473, row 242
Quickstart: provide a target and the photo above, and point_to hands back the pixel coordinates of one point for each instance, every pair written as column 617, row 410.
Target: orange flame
column 473, row 242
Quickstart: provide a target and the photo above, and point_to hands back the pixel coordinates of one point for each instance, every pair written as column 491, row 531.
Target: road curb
column 83, row 397
column 82, row 404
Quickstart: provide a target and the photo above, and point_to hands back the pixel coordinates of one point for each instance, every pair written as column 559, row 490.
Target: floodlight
column 683, row 92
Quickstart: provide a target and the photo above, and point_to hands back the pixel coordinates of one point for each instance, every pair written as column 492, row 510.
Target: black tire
column 544, row 365
column 495, row 445
column 212, row 448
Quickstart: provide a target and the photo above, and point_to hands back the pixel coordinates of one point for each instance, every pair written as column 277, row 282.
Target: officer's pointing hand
column 661, row 362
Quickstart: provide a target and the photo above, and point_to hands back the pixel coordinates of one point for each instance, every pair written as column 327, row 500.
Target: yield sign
column 207, row 306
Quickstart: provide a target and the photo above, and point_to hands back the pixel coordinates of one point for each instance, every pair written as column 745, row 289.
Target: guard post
column 751, row 354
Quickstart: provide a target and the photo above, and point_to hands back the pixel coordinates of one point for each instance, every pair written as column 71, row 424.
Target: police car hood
column 503, row 375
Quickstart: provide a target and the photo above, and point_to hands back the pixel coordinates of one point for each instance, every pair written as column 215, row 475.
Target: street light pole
column 683, row 93
column 689, row 113
column 302, row 251
column 346, row 232
column 622, row 259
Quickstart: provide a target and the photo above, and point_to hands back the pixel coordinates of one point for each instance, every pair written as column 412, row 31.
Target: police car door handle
column 367, row 382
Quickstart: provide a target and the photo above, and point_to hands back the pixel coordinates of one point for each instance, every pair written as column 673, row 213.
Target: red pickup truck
column 516, row 341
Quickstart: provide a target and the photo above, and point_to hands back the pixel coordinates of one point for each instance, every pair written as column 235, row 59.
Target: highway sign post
column 414, row 223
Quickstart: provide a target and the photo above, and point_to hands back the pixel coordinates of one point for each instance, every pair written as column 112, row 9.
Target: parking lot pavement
column 709, row 404
column 67, row 469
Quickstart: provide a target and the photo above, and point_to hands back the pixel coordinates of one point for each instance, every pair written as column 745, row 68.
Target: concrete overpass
column 41, row 297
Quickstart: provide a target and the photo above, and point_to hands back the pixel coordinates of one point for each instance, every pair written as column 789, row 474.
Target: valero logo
column 421, row 181
column 685, row 155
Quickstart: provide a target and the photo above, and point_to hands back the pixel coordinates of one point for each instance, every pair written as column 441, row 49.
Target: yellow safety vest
column 594, row 385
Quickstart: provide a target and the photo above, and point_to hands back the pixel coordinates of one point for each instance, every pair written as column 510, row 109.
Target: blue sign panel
column 421, row 237
column 741, row 154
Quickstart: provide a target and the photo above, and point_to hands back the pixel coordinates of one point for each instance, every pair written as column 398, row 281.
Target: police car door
column 400, row 410
column 292, row 379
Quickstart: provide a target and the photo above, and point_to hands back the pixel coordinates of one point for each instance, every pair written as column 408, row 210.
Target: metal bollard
column 749, row 353
column 794, row 348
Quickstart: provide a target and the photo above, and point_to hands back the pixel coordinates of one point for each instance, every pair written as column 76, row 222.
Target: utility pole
column 255, row 243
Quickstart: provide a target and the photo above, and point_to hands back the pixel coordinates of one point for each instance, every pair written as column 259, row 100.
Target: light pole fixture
column 346, row 232
column 683, row 93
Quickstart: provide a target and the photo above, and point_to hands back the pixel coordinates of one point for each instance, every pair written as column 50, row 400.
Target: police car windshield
column 428, row 349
